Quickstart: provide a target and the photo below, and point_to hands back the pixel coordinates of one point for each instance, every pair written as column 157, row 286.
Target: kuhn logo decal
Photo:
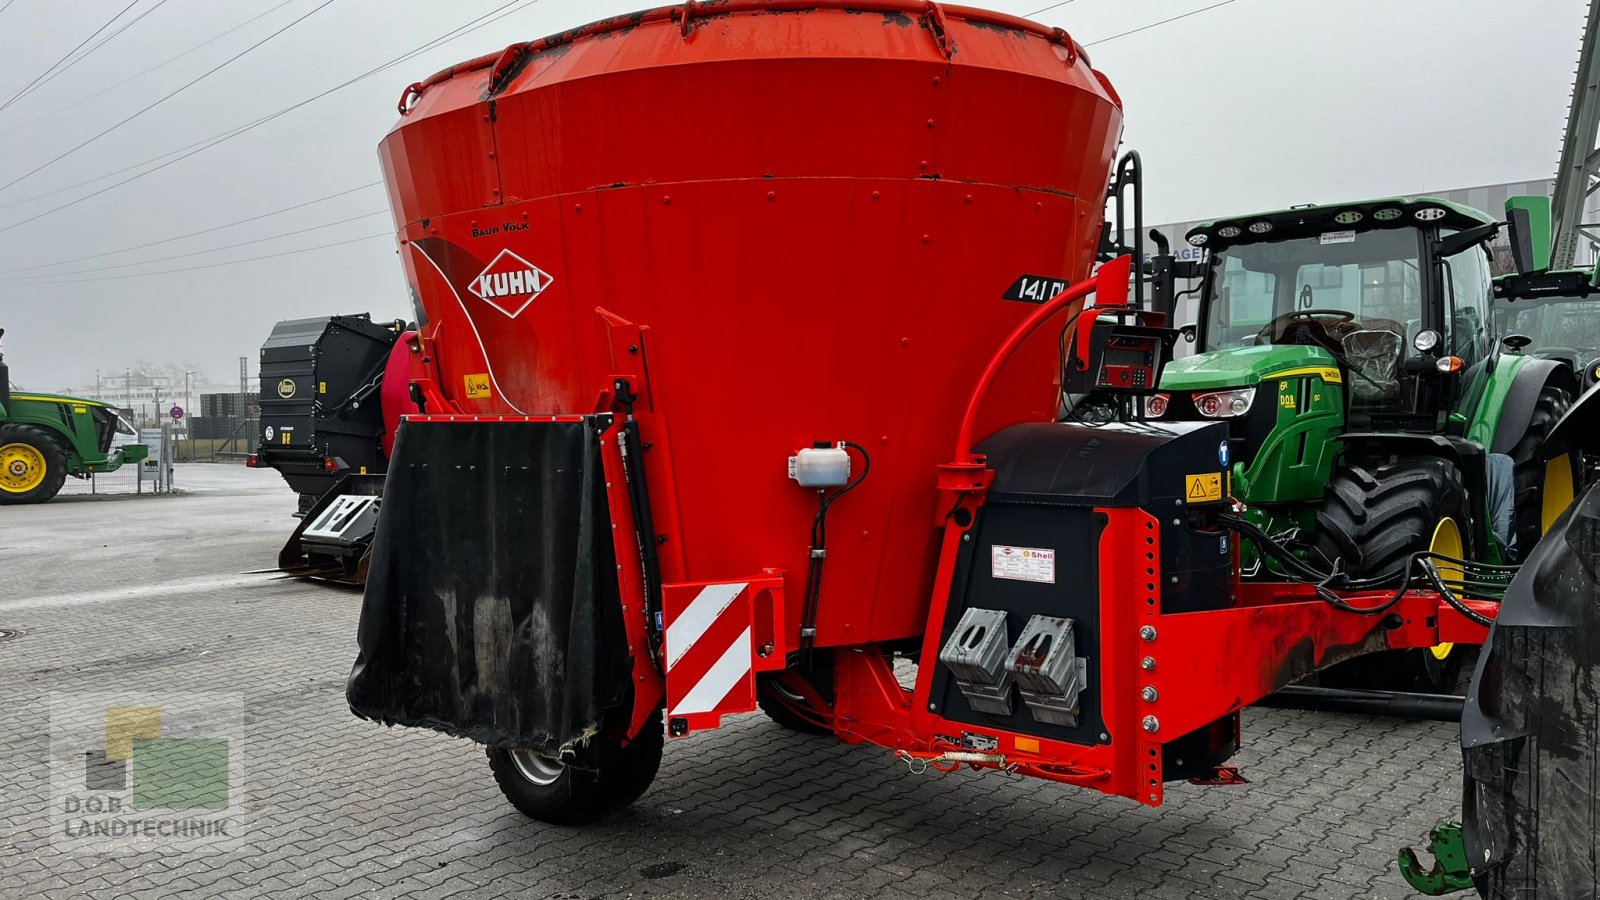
column 510, row 283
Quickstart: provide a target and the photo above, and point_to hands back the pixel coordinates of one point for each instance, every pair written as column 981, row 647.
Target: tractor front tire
column 1374, row 520
column 1533, row 475
column 785, row 703
column 33, row 466
column 551, row 791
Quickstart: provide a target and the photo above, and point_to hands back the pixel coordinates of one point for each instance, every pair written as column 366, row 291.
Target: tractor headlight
column 1225, row 404
column 1426, row 340
column 1155, row 405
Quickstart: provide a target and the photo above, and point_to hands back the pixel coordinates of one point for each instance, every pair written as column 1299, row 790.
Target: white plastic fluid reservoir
column 821, row 467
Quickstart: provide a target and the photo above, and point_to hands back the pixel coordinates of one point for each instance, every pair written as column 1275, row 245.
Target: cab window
column 1469, row 296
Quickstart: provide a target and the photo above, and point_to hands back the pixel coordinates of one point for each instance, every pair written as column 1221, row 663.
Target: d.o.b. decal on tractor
column 509, row 283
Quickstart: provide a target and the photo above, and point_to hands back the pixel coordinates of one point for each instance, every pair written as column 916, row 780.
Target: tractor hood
column 1243, row 366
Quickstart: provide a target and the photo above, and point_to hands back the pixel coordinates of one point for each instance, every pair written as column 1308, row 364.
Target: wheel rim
column 1447, row 541
column 22, row 468
column 541, row 770
column 1557, row 494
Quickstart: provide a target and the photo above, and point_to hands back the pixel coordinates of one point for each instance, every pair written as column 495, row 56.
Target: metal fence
column 151, row 475
column 130, row 479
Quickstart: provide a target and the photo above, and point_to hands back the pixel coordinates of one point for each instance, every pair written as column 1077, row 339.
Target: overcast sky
column 1254, row 104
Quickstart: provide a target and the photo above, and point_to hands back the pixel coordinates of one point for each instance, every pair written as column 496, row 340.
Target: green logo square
column 180, row 773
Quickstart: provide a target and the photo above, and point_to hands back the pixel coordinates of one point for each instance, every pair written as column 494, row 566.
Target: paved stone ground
column 143, row 596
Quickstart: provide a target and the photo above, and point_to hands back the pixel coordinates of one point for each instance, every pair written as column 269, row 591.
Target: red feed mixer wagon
column 743, row 330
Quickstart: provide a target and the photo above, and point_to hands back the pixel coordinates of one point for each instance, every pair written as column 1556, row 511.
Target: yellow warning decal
column 322, row 387
column 1331, row 376
column 478, row 385
column 1206, row 488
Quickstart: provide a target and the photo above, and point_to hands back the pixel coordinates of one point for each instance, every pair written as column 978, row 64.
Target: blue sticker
column 1222, row 454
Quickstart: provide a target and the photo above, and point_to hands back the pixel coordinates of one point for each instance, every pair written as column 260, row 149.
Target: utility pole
column 127, row 384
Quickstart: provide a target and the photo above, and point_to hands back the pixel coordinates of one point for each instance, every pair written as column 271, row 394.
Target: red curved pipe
column 1110, row 283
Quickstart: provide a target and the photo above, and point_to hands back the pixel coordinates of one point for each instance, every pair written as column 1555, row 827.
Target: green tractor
column 1544, row 312
column 44, row 438
column 1374, row 408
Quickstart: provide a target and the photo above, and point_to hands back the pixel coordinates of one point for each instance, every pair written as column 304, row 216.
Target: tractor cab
column 1365, row 289
column 1552, row 315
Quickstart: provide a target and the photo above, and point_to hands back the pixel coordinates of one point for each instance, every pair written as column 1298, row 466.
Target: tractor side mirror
column 1189, row 330
column 1528, row 221
column 1516, row 342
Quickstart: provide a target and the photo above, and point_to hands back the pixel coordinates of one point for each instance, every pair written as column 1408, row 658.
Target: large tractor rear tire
column 551, row 791
column 1374, row 520
column 32, row 465
column 1544, row 490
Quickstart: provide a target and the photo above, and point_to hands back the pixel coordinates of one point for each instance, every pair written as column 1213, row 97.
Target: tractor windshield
column 1356, row 294
column 1296, row 290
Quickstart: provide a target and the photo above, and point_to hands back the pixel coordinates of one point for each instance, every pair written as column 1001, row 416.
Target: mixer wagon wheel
column 1544, row 490
column 32, row 465
column 551, row 791
column 799, row 701
column 1373, row 520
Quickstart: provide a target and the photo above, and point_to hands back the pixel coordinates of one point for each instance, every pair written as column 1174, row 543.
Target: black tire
column 786, row 706
column 1547, row 410
column 564, row 795
column 1372, row 521
column 45, row 446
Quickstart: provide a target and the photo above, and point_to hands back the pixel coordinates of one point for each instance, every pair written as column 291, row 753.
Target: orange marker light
column 1449, row 364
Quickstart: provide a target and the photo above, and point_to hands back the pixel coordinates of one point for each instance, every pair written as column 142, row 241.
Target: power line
column 232, row 262
column 214, row 140
column 7, row 3
column 38, row 279
column 143, row 72
column 128, row 168
column 1048, row 8
column 165, row 98
column 1162, row 22
column 212, row 230
column 69, row 54
column 85, row 54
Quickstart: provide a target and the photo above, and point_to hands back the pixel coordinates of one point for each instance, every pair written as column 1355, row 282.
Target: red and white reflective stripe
column 708, row 649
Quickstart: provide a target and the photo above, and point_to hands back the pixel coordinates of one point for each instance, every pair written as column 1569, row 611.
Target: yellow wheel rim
column 1557, row 494
column 21, row 468
column 1447, row 541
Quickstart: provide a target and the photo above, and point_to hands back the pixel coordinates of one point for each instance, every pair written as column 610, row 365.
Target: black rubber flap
column 1530, row 732
column 491, row 608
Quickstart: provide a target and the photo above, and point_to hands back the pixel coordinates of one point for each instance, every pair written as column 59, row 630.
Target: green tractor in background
column 44, row 438
column 1374, row 408
column 1557, row 311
